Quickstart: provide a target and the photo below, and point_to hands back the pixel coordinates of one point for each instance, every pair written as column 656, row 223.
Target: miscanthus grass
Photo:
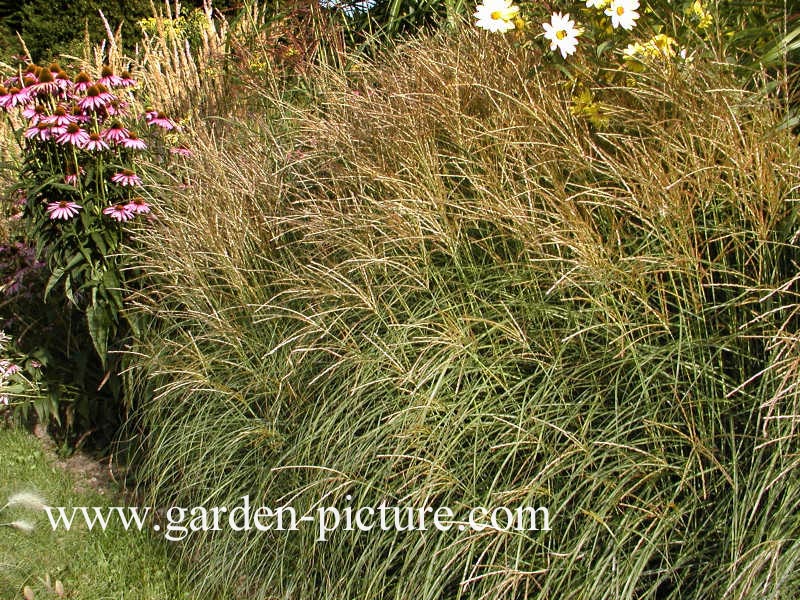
column 447, row 289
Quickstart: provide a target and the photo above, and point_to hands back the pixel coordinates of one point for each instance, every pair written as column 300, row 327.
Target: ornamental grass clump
column 451, row 290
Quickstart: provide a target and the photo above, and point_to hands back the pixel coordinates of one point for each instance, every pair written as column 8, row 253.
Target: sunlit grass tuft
column 436, row 285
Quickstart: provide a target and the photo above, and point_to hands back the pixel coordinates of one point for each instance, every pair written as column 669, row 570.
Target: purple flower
column 73, row 135
column 127, row 80
column 133, row 142
column 83, row 82
column 63, row 209
column 126, row 178
column 139, row 206
column 115, row 133
column 15, row 97
column 35, row 113
column 95, row 143
column 119, row 212
column 181, row 151
column 108, row 78
column 60, row 117
column 40, row 131
column 97, row 97
column 159, row 119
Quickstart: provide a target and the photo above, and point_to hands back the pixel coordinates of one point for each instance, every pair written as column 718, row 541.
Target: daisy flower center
column 561, row 34
column 620, row 10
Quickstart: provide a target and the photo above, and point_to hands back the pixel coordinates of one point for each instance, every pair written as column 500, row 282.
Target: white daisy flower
column 496, row 15
column 562, row 34
column 623, row 13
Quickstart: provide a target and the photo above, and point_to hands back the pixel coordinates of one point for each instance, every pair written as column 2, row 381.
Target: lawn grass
column 92, row 565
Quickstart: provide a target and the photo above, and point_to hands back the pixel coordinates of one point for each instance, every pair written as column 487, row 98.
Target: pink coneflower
column 83, row 82
column 119, row 212
column 15, row 96
column 60, row 117
column 74, row 173
column 126, row 80
column 63, row 209
column 133, row 142
column 115, row 133
column 63, row 81
column 20, row 197
column 46, row 84
column 126, row 178
column 97, row 97
column 73, row 135
column 10, row 369
column 95, row 143
column 78, row 115
column 108, row 78
column 117, row 107
column 159, row 119
column 40, row 131
column 181, row 151
column 35, row 113
column 138, row 206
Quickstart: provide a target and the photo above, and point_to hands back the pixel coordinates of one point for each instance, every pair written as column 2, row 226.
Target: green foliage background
column 50, row 28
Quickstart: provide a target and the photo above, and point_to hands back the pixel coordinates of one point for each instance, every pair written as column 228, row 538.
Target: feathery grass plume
column 23, row 526
column 449, row 290
column 185, row 77
column 26, row 500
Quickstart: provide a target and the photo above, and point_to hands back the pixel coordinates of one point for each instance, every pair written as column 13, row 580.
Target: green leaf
column 99, row 323
column 789, row 43
column 54, row 278
column 58, row 273
column 112, row 284
column 99, row 242
column 601, row 48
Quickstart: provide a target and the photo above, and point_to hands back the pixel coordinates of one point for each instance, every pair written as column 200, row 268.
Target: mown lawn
column 92, row 565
